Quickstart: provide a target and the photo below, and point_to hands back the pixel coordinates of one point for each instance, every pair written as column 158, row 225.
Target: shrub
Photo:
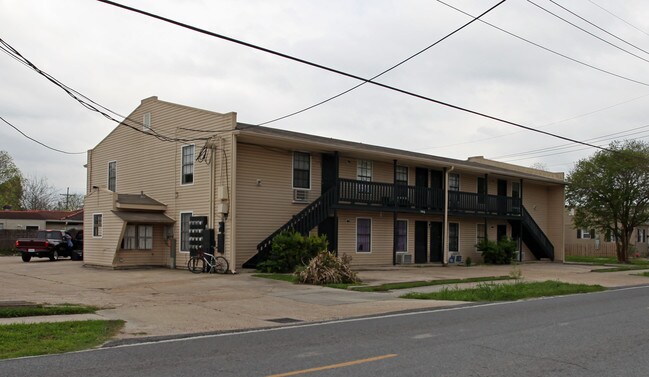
column 501, row 252
column 468, row 262
column 326, row 268
column 289, row 250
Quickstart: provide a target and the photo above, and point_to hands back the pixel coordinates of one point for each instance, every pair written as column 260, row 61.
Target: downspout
column 446, row 244
column 520, row 224
column 394, row 214
column 212, row 220
column 232, row 210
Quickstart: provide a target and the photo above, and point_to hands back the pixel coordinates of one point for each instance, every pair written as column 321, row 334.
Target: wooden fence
column 8, row 237
column 606, row 249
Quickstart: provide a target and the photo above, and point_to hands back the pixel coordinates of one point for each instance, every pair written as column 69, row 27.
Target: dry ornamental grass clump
column 326, row 268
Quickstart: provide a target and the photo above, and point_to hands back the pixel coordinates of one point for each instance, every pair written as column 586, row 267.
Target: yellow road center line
column 334, row 366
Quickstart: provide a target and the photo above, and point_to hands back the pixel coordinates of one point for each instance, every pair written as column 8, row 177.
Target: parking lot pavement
column 163, row 302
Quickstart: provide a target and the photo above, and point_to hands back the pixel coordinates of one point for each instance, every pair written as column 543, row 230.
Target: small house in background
column 21, row 224
column 35, row 220
column 172, row 179
column 594, row 243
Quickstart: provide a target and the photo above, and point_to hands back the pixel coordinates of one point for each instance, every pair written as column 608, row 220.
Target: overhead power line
column 339, row 72
column 87, row 102
column 598, row 27
column 587, row 32
column 385, row 71
column 618, row 17
column 548, row 49
column 36, row 141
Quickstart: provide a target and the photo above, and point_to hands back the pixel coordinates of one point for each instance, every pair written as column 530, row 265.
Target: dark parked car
column 51, row 244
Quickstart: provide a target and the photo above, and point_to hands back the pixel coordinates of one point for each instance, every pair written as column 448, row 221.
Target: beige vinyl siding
column 153, row 166
column 381, row 241
column 100, row 251
column 157, row 256
column 381, row 171
column 262, row 208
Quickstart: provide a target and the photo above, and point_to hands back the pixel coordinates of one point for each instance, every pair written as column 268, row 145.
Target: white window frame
column 293, row 170
column 100, row 228
column 584, row 234
column 182, row 164
column 180, row 231
column 130, row 240
column 364, row 170
column 406, row 243
column 114, row 189
column 146, row 122
column 143, row 237
column 356, row 235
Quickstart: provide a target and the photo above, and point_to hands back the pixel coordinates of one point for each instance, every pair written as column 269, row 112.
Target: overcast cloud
column 118, row 57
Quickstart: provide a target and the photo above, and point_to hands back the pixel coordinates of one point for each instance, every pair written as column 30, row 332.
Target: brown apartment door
column 421, row 188
column 421, row 241
column 436, row 241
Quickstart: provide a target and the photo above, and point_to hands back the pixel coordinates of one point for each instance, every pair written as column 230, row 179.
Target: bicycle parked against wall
column 204, row 262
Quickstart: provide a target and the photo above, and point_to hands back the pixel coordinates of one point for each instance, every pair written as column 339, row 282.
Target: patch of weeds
column 507, row 292
column 39, row 310
column 414, row 284
column 291, row 278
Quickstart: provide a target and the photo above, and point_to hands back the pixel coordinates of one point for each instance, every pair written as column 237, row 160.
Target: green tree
column 610, row 192
column 11, row 182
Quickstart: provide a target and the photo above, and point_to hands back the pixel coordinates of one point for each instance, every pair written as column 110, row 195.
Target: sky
column 117, row 58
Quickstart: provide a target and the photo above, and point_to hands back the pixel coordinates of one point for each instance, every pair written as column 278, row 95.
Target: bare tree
column 70, row 202
column 38, row 194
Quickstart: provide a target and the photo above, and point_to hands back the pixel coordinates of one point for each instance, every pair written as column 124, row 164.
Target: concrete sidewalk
column 163, row 302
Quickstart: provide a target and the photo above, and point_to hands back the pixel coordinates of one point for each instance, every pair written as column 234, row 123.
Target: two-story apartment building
column 151, row 180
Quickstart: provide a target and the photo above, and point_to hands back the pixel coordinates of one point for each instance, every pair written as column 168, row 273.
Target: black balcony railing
column 391, row 196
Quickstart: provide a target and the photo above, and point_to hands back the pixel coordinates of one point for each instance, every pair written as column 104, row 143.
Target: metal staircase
column 534, row 237
column 310, row 217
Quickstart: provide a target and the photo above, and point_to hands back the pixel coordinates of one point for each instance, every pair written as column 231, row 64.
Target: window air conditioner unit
column 300, row 195
column 404, row 258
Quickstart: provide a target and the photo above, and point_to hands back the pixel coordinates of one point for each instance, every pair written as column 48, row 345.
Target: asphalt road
column 600, row 334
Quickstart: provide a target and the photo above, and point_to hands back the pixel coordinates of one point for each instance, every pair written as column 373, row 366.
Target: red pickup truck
column 46, row 244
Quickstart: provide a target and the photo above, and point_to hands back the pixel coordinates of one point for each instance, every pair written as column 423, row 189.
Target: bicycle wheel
column 221, row 265
column 196, row 264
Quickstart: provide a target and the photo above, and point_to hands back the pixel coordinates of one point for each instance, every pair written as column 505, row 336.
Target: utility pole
column 67, row 199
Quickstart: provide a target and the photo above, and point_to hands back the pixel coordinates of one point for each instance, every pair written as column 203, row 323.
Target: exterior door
column 501, row 232
column 421, row 188
column 329, row 171
column 502, row 197
column 437, row 189
column 329, row 228
column 421, row 241
column 436, row 241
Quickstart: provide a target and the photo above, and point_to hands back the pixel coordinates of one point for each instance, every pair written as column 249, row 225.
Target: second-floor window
column 454, row 182
column 187, row 170
column 585, row 234
column 301, row 170
column 402, row 175
column 364, row 170
column 112, row 176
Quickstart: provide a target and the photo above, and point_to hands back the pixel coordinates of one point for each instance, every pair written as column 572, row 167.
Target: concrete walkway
column 163, row 302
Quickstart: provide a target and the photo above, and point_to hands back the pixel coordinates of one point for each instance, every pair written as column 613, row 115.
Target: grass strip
column 414, row 284
column 646, row 274
column 34, row 339
column 39, row 310
column 606, row 260
column 624, row 268
column 507, row 292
